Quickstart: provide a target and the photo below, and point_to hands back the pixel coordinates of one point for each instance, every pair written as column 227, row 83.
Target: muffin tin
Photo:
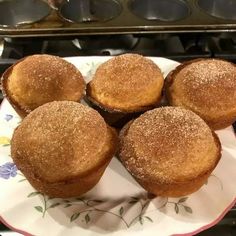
column 163, row 10
column 20, row 12
column 77, row 11
column 219, row 8
column 21, row 18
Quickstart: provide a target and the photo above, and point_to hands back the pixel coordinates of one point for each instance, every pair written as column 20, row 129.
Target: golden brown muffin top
column 60, row 140
column 128, row 82
column 169, row 144
column 208, row 84
column 38, row 79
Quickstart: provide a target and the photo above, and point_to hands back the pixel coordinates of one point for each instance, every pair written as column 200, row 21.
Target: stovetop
column 177, row 47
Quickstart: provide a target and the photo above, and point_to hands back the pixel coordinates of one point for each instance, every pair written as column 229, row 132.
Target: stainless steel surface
column 115, row 17
column 1, row 46
column 18, row 12
column 103, row 42
column 164, row 10
column 224, row 9
column 107, row 45
column 55, row 4
column 90, row 10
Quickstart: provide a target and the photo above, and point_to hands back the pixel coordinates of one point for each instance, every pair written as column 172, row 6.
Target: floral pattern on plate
column 8, row 170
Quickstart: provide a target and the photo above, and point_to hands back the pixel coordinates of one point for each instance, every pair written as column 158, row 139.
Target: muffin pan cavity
column 90, row 10
column 164, row 10
column 219, row 8
column 18, row 12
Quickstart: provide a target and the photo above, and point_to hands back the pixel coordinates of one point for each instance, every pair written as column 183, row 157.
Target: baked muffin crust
column 126, row 83
column 38, row 79
column 207, row 87
column 169, row 149
column 59, row 144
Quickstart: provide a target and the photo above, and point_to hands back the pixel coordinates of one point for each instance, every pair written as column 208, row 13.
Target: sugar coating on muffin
column 128, row 83
column 207, row 87
column 38, row 79
column 60, row 144
column 167, row 146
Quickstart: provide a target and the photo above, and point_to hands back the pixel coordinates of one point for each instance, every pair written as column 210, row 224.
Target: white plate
column 117, row 205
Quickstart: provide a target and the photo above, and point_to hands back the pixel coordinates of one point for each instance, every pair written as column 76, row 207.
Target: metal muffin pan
column 17, row 12
column 99, row 17
column 224, row 9
column 90, row 10
column 164, row 10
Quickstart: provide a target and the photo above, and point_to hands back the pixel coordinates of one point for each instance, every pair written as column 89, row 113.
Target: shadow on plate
column 118, row 203
column 125, row 205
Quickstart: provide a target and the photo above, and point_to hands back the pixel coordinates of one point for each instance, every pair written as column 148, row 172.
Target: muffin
column 207, row 87
column 170, row 151
column 125, row 84
column 38, row 79
column 60, row 150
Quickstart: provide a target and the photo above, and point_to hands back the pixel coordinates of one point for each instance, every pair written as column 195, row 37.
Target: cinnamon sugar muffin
column 38, row 79
column 170, row 151
column 60, row 150
column 207, row 87
column 125, row 84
